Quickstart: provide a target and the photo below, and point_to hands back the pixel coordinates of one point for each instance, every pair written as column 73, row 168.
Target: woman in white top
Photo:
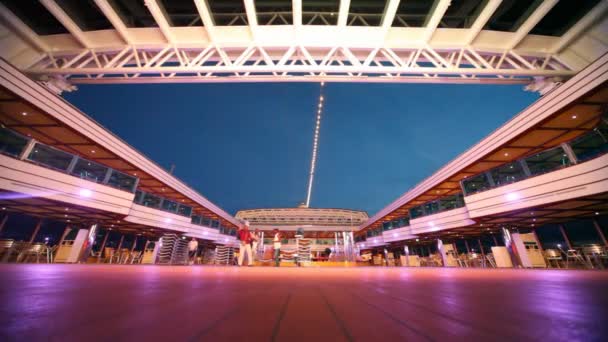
column 276, row 245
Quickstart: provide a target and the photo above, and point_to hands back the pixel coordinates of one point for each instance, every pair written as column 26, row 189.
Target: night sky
column 246, row 145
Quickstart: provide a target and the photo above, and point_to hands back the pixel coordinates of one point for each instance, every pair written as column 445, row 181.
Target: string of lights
column 315, row 146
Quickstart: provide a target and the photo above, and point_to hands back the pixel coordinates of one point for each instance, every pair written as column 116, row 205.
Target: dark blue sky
column 249, row 145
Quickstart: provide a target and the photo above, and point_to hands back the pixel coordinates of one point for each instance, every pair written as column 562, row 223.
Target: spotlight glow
column 85, row 193
column 512, row 196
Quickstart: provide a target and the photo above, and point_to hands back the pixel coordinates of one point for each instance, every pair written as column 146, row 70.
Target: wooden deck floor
column 154, row 303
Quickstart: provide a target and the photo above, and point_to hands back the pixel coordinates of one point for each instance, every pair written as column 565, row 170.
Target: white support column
column 581, row 26
column 296, row 6
column 389, row 13
column 22, row 29
column 67, row 22
column 113, row 17
column 161, row 18
column 481, row 20
column 529, row 24
column 343, row 12
column 438, row 12
column 252, row 17
column 206, row 17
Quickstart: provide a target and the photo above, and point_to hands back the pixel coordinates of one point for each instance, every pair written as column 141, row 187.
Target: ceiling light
column 573, row 116
column 597, row 213
column 506, row 154
column 3, row 208
column 24, row 113
column 92, row 151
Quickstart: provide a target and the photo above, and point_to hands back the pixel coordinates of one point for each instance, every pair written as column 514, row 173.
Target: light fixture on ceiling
column 574, row 116
column 24, row 113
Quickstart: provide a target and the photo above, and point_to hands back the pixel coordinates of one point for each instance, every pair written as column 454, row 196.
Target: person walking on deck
column 192, row 249
column 276, row 245
column 245, row 239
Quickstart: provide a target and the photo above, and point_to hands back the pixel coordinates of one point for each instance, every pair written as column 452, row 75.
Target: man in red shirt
column 245, row 239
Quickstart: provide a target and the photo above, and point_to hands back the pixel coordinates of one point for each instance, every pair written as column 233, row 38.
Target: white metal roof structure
column 322, row 219
column 441, row 41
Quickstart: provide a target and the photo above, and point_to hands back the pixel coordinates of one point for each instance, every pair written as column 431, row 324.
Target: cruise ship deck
column 105, row 302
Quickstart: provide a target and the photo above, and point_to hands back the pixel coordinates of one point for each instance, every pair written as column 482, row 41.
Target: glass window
column 365, row 13
column 451, row 202
column 562, row 16
column 215, row 224
column 413, row 13
column 90, row 171
column 50, row 157
column 151, row 201
column 591, row 144
column 431, row 208
column 462, row 13
column 416, row 212
column 511, row 14
column 184, row 210
column 277, row 12
column 320, row 12
column 475, row 184
column 122, row 181
column 182, row 12
column 196, row 219
column 35, row 16
column 85, row 14
column 387, row 225
column 508, row 173
column 139, row 197
column 205, row 221
column 169, row 205
column 547, row 161
column 11, row 143
column 228, row 12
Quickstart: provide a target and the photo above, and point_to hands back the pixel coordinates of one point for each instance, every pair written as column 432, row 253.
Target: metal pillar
column 466, row 245
column 495, row 241
column 563, row 231
column 88, row 246
column 600, row 232
column 483, row 253
column 406, row 249
column 36, row 230
column 134, row 244
column 3, row 222
column 508, row 243
column 428, row 249
column 103, row 245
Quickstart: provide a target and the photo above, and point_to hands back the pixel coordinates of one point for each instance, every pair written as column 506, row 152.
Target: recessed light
column 574, row 116
column 506, row 154
column 111, row 225
column 597, row 213
column 92, row 151
column 24, row 113
column 3, row 208
column 65, row 215
column 69, row 221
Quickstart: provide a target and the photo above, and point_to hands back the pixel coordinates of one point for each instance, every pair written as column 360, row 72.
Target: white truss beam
column 296, row 6
column 256, row 63
column 67, row 22
column 481, row 20
column 343, row 12
column 594, row 15
column 529, row 24
column 22, row 29
column 440, row 7
column 205, row 13
column 252, row 17
column 113, row 17
column 389, row 14
column 162, row 19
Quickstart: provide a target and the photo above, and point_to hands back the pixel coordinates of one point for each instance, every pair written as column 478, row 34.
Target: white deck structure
column 441, row 41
